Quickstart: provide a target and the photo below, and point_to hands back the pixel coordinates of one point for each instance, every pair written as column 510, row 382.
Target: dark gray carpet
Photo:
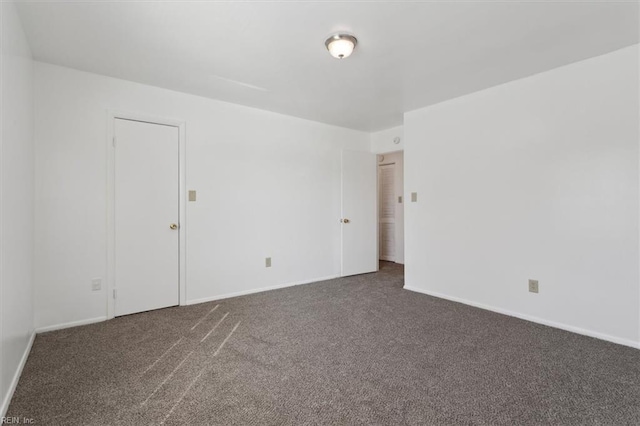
column 358, row 350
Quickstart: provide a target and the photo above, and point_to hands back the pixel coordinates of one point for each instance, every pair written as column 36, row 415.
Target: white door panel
column 359, row 207
column 146, row 204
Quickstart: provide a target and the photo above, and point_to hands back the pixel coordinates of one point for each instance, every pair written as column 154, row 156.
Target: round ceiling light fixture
column 340, row 46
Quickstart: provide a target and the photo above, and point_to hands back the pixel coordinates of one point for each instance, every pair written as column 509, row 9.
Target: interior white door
column 359, row 213
column 146, row 206
column 387, row 211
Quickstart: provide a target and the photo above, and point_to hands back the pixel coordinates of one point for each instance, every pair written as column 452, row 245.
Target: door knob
column 345, row 221
column 173, row 226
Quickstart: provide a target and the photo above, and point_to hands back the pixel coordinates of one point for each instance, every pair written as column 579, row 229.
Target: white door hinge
column 113, row 141
column 115, row 293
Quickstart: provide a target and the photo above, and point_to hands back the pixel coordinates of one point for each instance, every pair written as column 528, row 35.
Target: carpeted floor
column 358, row 350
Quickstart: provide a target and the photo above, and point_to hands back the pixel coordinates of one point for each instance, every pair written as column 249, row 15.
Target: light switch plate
column 267, row 262
column 96, row 284
column 533, row 286
column 414, row 197
column 192, row 195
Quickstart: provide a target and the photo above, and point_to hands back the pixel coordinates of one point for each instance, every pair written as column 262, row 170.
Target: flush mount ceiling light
column 340, row 46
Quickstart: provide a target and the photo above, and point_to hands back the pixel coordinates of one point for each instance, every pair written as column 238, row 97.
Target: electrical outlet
column 533, row 286
column 414, row 197
column 267, row 262
column 192, row 195
column 96, row 284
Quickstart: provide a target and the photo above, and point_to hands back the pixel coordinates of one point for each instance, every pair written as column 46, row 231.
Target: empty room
column 320, row 212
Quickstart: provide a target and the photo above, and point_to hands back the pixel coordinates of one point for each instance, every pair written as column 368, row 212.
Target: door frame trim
column 112, row 115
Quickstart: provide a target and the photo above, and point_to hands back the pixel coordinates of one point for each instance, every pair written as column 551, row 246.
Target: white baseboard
column 257, row 290
column 542, row 321
column 16, row 377
column 70, row 324
column 189, row 302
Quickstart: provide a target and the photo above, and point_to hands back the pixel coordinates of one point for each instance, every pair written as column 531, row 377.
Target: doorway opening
column 391, row 209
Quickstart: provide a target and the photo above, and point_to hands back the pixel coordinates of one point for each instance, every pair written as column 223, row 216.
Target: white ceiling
column 271, row 55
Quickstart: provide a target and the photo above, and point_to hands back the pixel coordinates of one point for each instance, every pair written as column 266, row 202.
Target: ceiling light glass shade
column 340, row 46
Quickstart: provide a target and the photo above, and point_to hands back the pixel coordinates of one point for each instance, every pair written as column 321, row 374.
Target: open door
column 359, row 213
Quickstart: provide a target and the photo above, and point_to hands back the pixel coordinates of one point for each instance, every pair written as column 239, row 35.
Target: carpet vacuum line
column 161, row 356
column 193, row 382
column 203, row 318
column 214, row 327
column 167, row 379
column 227, row 338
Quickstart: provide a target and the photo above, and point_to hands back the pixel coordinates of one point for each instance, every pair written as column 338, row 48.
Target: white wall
column 267, row 185
column 537, row 178
column 382, row 141
column 16, row 203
